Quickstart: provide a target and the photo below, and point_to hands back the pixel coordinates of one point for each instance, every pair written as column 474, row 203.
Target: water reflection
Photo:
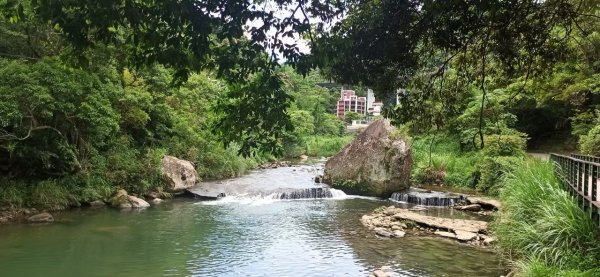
column 276, row 238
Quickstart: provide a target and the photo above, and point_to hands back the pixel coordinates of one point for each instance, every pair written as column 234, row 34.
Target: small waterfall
column 337, row 194
column 427, row 198
column 310, row 193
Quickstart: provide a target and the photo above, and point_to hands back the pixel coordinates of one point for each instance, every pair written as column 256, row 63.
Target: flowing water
column 248, row 234
column 427, row 197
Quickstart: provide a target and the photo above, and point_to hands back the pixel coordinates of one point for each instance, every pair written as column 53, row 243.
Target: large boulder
column 376, row 163
column 124, row 201
column 180, row 174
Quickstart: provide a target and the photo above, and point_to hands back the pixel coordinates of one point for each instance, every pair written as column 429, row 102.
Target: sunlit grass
column 541, row 223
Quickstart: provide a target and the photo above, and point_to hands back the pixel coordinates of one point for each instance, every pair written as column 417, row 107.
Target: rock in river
column 471, row 207
column 41, row 218
column 124, row 201
column 180, row 174
column 97, row 203
column 464, row 235
column 485, row 202
column 399, row 234
column 382, row 232
column 376, row 163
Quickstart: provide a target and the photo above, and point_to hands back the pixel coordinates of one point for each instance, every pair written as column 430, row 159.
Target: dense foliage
column 94, row 94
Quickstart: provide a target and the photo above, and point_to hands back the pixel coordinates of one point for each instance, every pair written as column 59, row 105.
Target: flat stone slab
column 445, row 234
column 484, row 201
column 473, row 226
column 471, row 207
column 464, row 235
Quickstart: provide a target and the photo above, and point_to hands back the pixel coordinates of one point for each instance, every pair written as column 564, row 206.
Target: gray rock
column 97, row 203
column 136, row 203
column 464, row 235
column 41, row 218
column 376, row 163
column 472, row 208
column 399, row 234
column 489, row 240
column 124, row 201
column 445, row 234
column 380, row 273
column 303, row 158
column 156, row 201
column 180, row 174
column 382, row 232
column 391, row 210
column 396, row 227
column 485, row 202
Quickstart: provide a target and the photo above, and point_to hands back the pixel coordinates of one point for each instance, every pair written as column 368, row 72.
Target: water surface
column 273, row 238
column 235, row 236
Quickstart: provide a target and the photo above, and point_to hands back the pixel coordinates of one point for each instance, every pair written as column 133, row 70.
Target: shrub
column 492, row 170
column 539, row 220
column 50, row 193
column 12, row 193
column 590, row 143
column 449, row 165
column 512, row 144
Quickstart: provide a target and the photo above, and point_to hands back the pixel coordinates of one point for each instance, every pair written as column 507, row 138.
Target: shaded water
column 234, row 236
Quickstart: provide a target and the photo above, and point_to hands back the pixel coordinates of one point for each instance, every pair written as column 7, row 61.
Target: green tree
column 51, row 118
column 349, row 116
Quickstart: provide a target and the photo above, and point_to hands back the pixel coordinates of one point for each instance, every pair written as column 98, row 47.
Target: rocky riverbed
column 398, row 222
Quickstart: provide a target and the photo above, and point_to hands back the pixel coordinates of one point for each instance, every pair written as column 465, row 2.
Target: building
column 349, row 102
column 375, row 109
column 366, row 106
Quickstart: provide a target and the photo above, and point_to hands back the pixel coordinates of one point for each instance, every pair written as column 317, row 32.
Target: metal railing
column 582, row 174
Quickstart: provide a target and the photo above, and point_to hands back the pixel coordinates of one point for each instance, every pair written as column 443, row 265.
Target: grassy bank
column 441, row 160
column 317, row 146
column 542, row 227
column 320, row 146
column 140, row 176
column 137, row 177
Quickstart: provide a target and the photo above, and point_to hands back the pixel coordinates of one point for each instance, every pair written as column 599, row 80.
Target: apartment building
column 350, row 102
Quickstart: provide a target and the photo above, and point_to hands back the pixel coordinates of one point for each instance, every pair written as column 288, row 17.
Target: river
column 235, row 236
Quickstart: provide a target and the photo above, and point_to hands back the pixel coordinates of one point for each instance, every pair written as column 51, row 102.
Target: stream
column 250, row 232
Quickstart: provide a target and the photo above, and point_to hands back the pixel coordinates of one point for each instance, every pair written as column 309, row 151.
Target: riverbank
column 542, row 228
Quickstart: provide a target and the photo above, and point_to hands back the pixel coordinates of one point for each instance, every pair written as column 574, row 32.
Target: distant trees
column 531, row 64
column 349, row 116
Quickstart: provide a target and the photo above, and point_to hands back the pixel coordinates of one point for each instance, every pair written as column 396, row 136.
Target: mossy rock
column 376, row 163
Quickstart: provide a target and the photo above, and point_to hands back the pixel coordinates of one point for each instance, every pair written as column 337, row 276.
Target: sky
column 281, row 13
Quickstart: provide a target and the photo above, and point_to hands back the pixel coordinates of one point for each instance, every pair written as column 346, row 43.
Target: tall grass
column 534, row 267
column 320, row 146
column 456, row 167
column 53, row 193
column 541, row 223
